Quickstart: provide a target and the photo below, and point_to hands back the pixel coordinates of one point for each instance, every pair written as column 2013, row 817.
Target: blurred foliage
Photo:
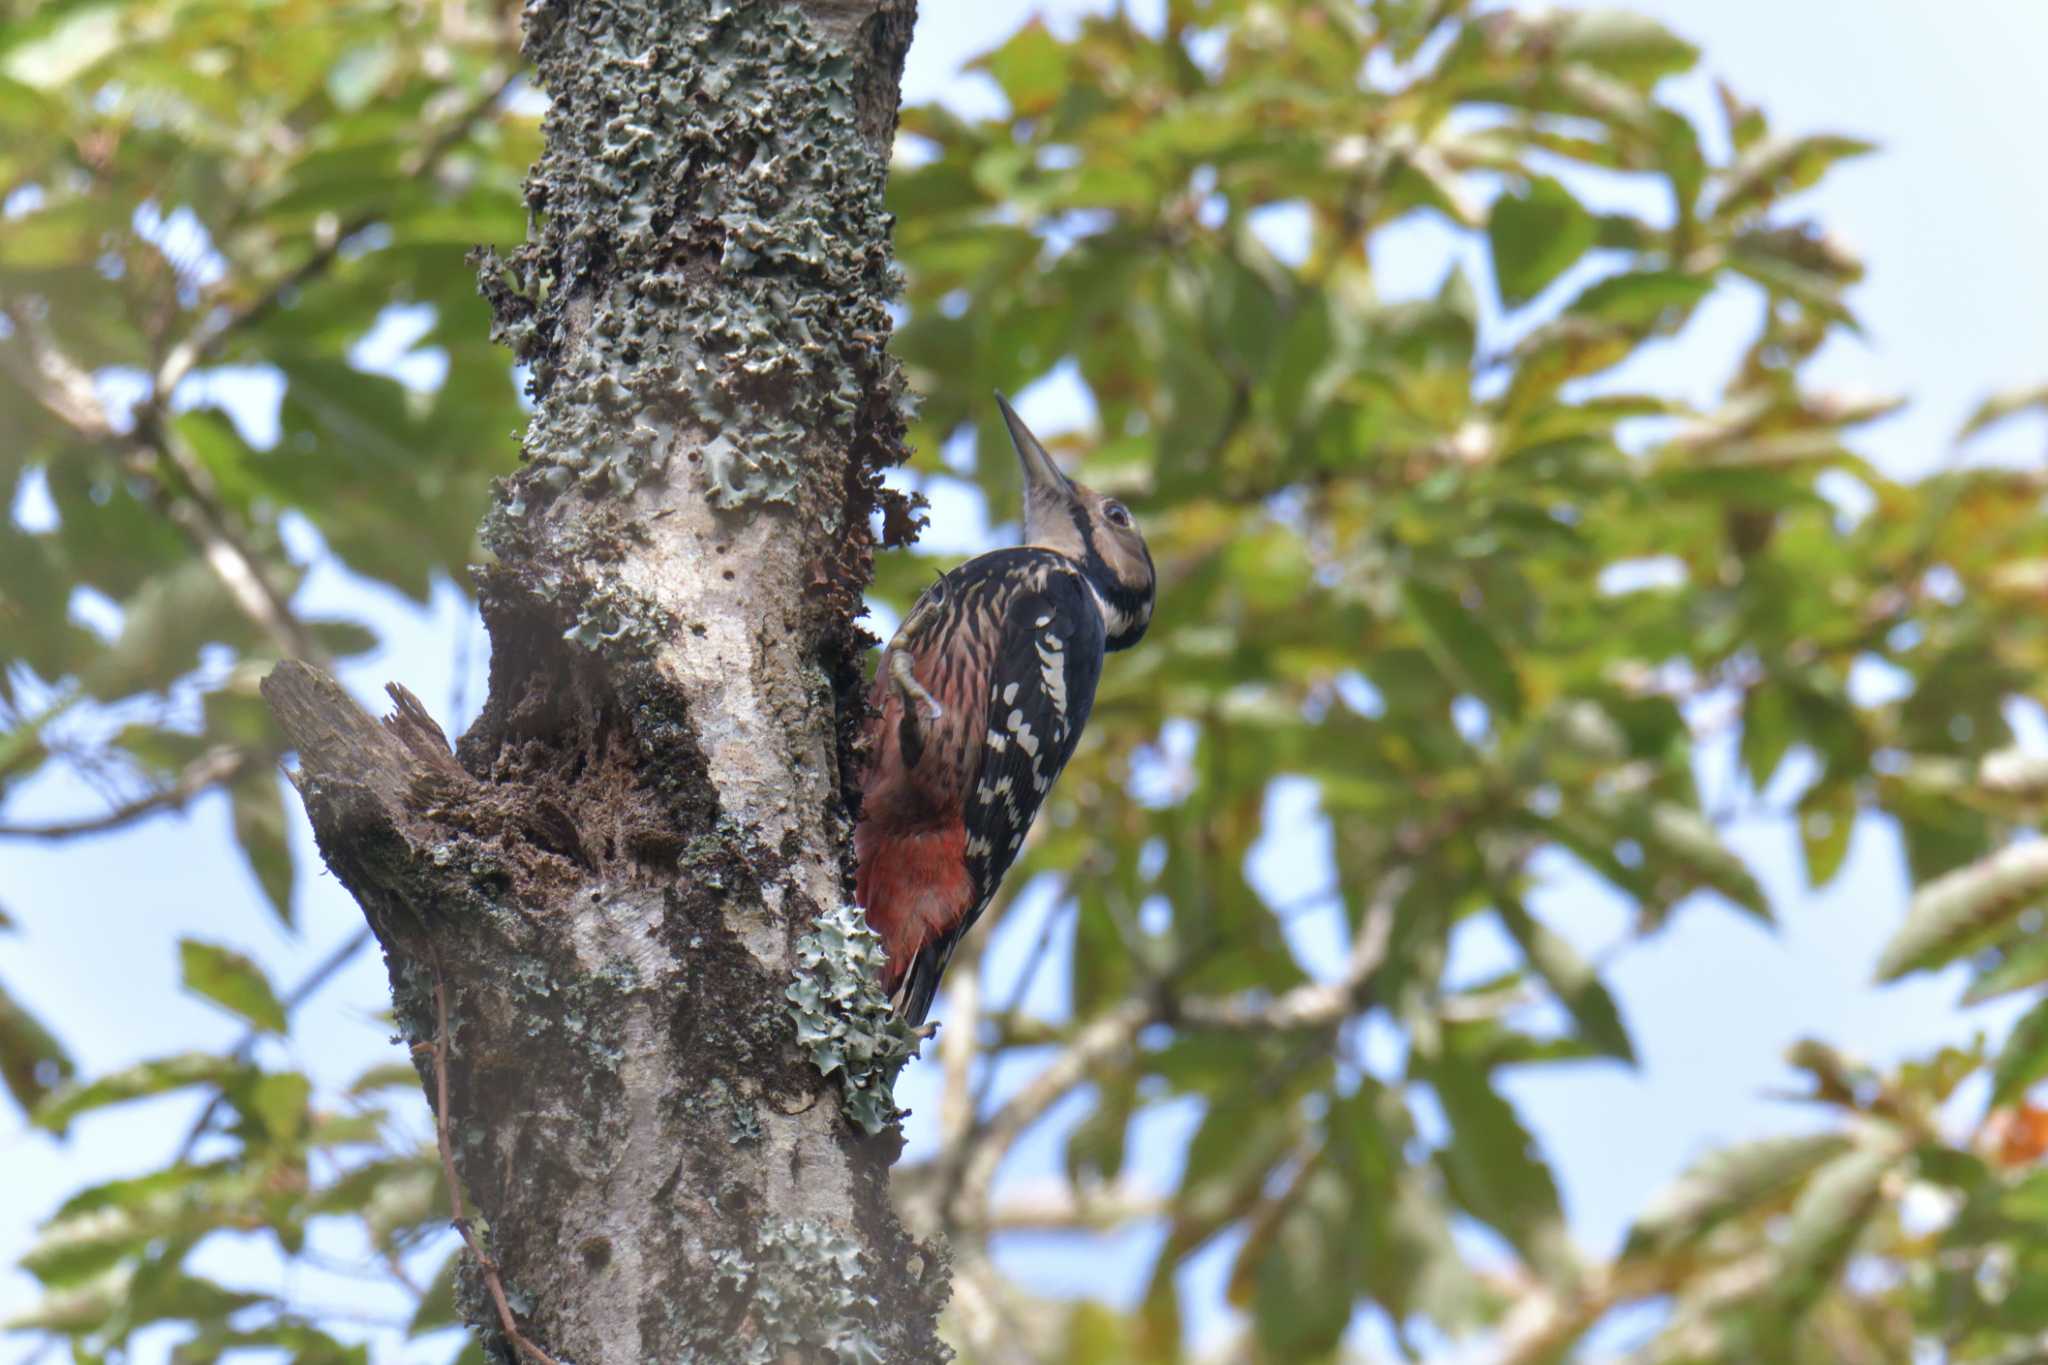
column 1436, row 553
column 206, row 208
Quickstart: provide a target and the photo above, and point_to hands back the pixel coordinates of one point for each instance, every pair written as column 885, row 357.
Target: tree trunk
column 612, row 879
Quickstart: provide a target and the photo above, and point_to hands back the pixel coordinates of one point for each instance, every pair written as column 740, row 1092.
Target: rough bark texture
column 652, row 810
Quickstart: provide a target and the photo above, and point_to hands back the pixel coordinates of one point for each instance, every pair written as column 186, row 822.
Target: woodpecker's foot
column 906, row 683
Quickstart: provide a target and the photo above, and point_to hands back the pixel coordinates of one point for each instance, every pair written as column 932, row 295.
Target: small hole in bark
column 697, row 630
column 596, row 1253
column 728, row 575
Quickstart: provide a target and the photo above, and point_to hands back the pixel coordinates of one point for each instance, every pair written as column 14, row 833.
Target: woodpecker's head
column 1093, row 529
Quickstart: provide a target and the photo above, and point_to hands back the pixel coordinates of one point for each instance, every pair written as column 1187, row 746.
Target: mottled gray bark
column 613, row 876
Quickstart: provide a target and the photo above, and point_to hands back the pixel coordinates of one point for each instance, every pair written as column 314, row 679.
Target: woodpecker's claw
column 906, row 682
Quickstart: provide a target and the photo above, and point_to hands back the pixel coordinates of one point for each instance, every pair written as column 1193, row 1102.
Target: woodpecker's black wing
column 1046, row 663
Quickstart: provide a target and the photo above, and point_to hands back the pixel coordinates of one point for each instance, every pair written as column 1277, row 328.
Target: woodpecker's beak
column 1040, row 473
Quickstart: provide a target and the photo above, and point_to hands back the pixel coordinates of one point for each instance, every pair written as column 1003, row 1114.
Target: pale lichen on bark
column 651, row 810
column 844, row 1021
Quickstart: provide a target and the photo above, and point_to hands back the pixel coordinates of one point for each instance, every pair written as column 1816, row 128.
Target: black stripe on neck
column 1131, row 604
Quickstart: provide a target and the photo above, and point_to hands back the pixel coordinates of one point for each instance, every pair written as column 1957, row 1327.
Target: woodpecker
column 976, row 706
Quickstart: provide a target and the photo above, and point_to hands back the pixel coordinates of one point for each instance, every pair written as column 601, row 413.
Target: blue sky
column 1950, row 218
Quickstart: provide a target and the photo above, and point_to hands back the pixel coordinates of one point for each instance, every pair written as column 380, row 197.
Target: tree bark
column 612, row 874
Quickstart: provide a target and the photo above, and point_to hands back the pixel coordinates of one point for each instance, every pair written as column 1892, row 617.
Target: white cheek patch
column 1114, row 622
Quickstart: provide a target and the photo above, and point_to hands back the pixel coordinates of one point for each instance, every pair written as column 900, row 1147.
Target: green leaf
column 2002, row 406
column 1463, row 647
column 1777, row 167
column 1300, row 1289
column 436, row 1308
column 385, row 1076
column 1769, row 722
column 306, row 1345
column 171, row 1294
column 1493, row 1167
column 1628, row 46
column 163, row 627
column 59, row 52
column 1571, row 979
column 1032, row 68
column 1641, row 298
column 32, row 1061
column 1827, row 819
column 1826, row 1221
column 76, row 1309
column 1959, row 913
column 2024, row 1058
column 354, row 80
column 275, row 1102
column 260, row 831
column 1536, row 235
column 1095, row 1149
column 2021, row 964
column 231, row 981
column 1680, row 838
column 57, row 1111
column 1729, row 1183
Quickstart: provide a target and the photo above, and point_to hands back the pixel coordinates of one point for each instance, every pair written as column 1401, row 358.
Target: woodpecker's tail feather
column 920, row 985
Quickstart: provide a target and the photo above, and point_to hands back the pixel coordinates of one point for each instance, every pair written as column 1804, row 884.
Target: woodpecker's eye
column 1116, row 514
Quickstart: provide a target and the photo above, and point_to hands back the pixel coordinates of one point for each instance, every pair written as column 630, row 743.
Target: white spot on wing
column 1052, row 671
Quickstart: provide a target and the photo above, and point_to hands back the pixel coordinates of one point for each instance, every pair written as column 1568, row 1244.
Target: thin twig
column 1040, row 950
column 210, row 769
column 191, row 501
column 959, row 1043
column 1104, row 1037
column 1544, row 1320
column 64, row 389
column 492, row 1281
column 970, row 1171
column 60, row 386
column 1056, row 1206
column 1323, row 1003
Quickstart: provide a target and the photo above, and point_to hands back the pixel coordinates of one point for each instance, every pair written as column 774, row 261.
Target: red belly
column 914, row 887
